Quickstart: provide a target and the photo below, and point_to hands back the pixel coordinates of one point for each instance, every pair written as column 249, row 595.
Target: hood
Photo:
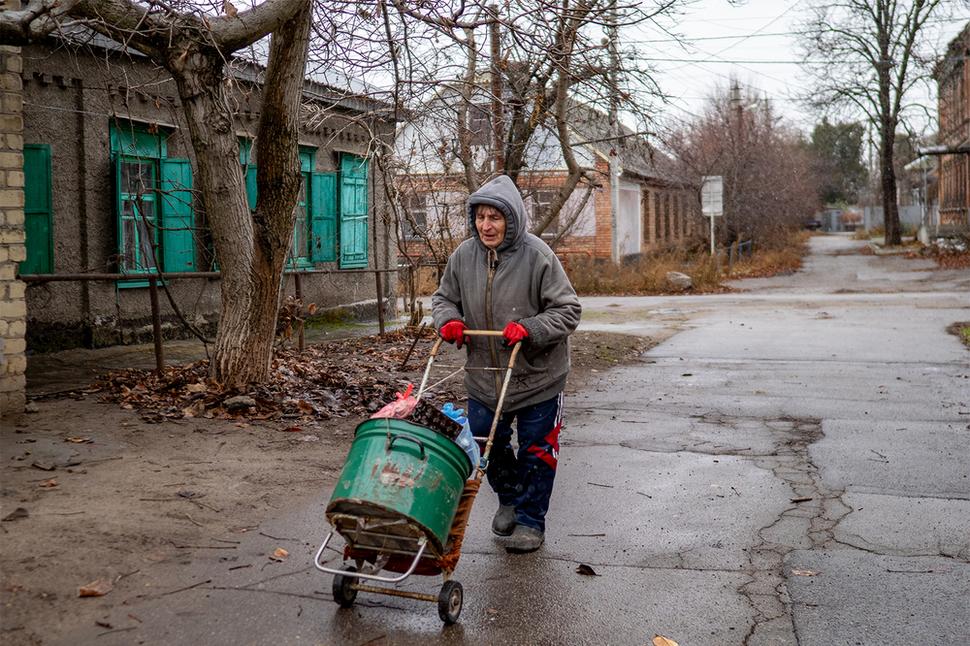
column 501, row 193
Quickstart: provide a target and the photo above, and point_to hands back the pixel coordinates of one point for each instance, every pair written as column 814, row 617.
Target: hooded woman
column 505, row 278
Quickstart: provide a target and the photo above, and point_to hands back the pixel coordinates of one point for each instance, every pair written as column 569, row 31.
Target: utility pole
column 615, row 169
column 498, row 121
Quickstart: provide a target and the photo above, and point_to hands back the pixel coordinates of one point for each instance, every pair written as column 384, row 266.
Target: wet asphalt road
column 789, row 467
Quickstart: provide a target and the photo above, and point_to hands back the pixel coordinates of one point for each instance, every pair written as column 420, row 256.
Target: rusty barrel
column 398, row 471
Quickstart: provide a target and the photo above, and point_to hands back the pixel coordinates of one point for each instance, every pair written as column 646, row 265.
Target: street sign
column 712, row 196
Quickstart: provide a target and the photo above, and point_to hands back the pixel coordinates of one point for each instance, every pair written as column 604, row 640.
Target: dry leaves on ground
column 349, row 377
column 97, row 588
column 279, row 555
column 660, row 640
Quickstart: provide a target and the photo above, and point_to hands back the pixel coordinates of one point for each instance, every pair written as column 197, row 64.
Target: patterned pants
column 523, row 480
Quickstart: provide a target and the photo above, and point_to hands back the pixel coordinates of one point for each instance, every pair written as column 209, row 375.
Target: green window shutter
column 177, row 225
column 251, row 186
column 38, row 210
column 323, row 217
column 353, row 212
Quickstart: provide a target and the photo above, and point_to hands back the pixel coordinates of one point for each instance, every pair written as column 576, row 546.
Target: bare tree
column 517, row 89
column 769, row 189
column 865, row 56
column 194, row 46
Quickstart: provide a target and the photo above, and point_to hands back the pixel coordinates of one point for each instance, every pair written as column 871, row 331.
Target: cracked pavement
column 788, row 466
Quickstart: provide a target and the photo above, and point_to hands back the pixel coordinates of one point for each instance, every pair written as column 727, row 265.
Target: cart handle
column 437, row 346
column 391, row 439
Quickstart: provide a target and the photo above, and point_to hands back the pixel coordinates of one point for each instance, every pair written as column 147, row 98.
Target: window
column 415, row 220
column 153, row 198
column 353, row 211
column 314, row 230
column 139, row 214
column 540, row 202
column 480, row 124
column 38, row 211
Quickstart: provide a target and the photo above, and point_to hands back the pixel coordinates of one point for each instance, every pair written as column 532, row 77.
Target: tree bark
column 887, row 177
column 244, row 343
column 251, row 248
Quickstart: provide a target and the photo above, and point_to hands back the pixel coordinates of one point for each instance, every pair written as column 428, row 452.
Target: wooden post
column 380, row 303
column 156, row 326
column 298, row 285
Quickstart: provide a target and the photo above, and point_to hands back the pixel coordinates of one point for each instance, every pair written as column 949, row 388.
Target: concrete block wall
column 13, row 309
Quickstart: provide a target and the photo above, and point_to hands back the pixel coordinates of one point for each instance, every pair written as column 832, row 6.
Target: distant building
column 953, row 76
column 656, row 210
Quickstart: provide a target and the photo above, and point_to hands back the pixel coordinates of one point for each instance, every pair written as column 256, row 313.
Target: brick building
column 953, row 76
column 655, row 210
column 12, row 307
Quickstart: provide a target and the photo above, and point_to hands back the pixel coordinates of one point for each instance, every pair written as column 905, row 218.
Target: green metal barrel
column 398, row 470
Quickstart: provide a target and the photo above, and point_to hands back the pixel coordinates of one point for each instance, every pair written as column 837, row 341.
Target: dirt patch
column 129, row 489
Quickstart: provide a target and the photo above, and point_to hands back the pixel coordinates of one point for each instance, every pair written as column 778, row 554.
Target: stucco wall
column 72, row 95
column 12, row 310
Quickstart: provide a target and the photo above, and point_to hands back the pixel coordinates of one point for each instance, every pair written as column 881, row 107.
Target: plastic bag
column 465, row 438
column 468, row 444
column 401, row 407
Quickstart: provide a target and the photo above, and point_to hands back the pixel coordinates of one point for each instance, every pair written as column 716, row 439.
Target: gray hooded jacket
column 522, row 280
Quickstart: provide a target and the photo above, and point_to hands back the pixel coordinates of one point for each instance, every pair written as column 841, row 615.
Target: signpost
column 712, row 200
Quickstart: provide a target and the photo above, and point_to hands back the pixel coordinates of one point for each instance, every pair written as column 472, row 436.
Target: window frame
column 135, row 143
column 551, row 231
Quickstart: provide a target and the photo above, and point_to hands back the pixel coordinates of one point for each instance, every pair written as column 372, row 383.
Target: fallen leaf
column 660, row 640
column 48, row 484
column 16, row 514
column 97, row 588
column 196, row 388
column 585, row 570
column 78, row 440
column 292, row 429
column 801, row 499
column 103, row 624
column 305, row 406
column 804, row 572
column 279, row 555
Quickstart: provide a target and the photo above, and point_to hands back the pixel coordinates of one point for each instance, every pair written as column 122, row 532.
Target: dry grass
column 770, row 263
column 962, row 331
column 648, row 275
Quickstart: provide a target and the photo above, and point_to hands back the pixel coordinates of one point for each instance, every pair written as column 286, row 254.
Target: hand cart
column 403, row 500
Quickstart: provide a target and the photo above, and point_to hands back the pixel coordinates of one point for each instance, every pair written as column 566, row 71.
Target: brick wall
column 13, row 312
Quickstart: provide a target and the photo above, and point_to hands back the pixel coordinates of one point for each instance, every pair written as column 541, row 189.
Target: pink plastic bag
column 400, row 408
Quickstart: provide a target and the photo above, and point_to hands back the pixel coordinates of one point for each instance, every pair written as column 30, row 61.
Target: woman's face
column 490, row 223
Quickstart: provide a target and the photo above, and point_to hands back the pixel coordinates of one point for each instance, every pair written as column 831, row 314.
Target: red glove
column 453, row 332
column 513, row 333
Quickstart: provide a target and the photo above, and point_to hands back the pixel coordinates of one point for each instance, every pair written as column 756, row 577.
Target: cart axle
column 394, row 592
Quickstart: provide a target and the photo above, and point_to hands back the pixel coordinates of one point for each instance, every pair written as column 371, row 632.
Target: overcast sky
column 753, row 41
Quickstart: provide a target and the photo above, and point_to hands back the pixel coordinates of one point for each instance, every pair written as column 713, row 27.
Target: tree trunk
column 251, row 248
column 201, row 82
column 887, row 176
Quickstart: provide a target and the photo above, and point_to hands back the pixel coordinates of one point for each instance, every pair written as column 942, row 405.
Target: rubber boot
column 504, row 521
column 525, row 539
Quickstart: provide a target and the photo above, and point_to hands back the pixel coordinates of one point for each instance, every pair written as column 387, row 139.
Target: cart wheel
column 343, row 594
column 449, row 602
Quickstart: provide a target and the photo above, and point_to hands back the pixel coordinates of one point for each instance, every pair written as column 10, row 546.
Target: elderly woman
column 505, row 278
